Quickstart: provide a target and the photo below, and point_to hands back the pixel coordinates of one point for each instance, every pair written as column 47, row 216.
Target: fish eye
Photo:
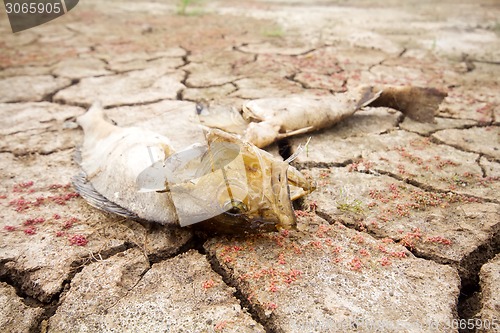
column 199, row 108
column 234, row 207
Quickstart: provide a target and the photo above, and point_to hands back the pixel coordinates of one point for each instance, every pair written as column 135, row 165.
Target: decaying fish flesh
column 226, row 184
column 271, row 119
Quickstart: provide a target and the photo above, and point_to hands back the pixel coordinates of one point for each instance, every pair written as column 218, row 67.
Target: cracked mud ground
column 402, row 234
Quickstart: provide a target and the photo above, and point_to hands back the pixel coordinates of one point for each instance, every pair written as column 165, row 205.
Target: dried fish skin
column 282, row 117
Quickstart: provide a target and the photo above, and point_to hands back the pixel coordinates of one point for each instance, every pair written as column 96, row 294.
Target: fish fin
column 95, row 112
column 295, row 132
column 228, row 119
column 368, row 95
column 87, row 191
column 298, row 151
column 77, row 155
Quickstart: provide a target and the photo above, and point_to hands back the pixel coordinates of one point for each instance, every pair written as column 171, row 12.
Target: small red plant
column 26, row 184
column 79, row 240
column 220, row 326
column 30, row 231
column 208, row 284
column 398, row 254
column 364, row 252
column 281, row 259
column 385, row 261
column 20, row 204
column 34, row 221
column 69, row 223
column 273, row 288
column 313, row 206
column 440, row 240
column 356, row 264
column 271, row 306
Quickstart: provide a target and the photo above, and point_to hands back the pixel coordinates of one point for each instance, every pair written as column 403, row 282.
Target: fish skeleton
column 224, row 185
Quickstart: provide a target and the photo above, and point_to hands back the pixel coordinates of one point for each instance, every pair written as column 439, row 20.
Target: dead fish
column 225, row 185
column 271, row 119
column 276, row 118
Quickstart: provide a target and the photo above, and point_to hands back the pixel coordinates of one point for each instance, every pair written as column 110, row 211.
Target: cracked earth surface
column 402, row 234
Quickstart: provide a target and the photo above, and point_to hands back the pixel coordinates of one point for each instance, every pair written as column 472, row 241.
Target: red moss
column 337, row 249
column 385, row 261
column 281, row 259
column 301, row 213
column 20, row 204
column 9, row 228
column 411, row 238
column 69, row 223
column 439, row 240
column 359, row 239
column 208, row 284
column 26, row 184
column 79, row 240
column 61, row 199
column 33, row 221
column 220, row 326
column 271, row 306
column 38, row 201
column 364, row 252
column 398, row 254
column 30, row 230
column 356, row 264
column 317, row 244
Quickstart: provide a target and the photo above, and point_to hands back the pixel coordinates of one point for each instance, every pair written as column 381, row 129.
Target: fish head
column 252, row 190
column 228, row 185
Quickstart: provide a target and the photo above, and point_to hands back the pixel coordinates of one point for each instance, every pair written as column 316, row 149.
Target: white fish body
column 112, row 159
